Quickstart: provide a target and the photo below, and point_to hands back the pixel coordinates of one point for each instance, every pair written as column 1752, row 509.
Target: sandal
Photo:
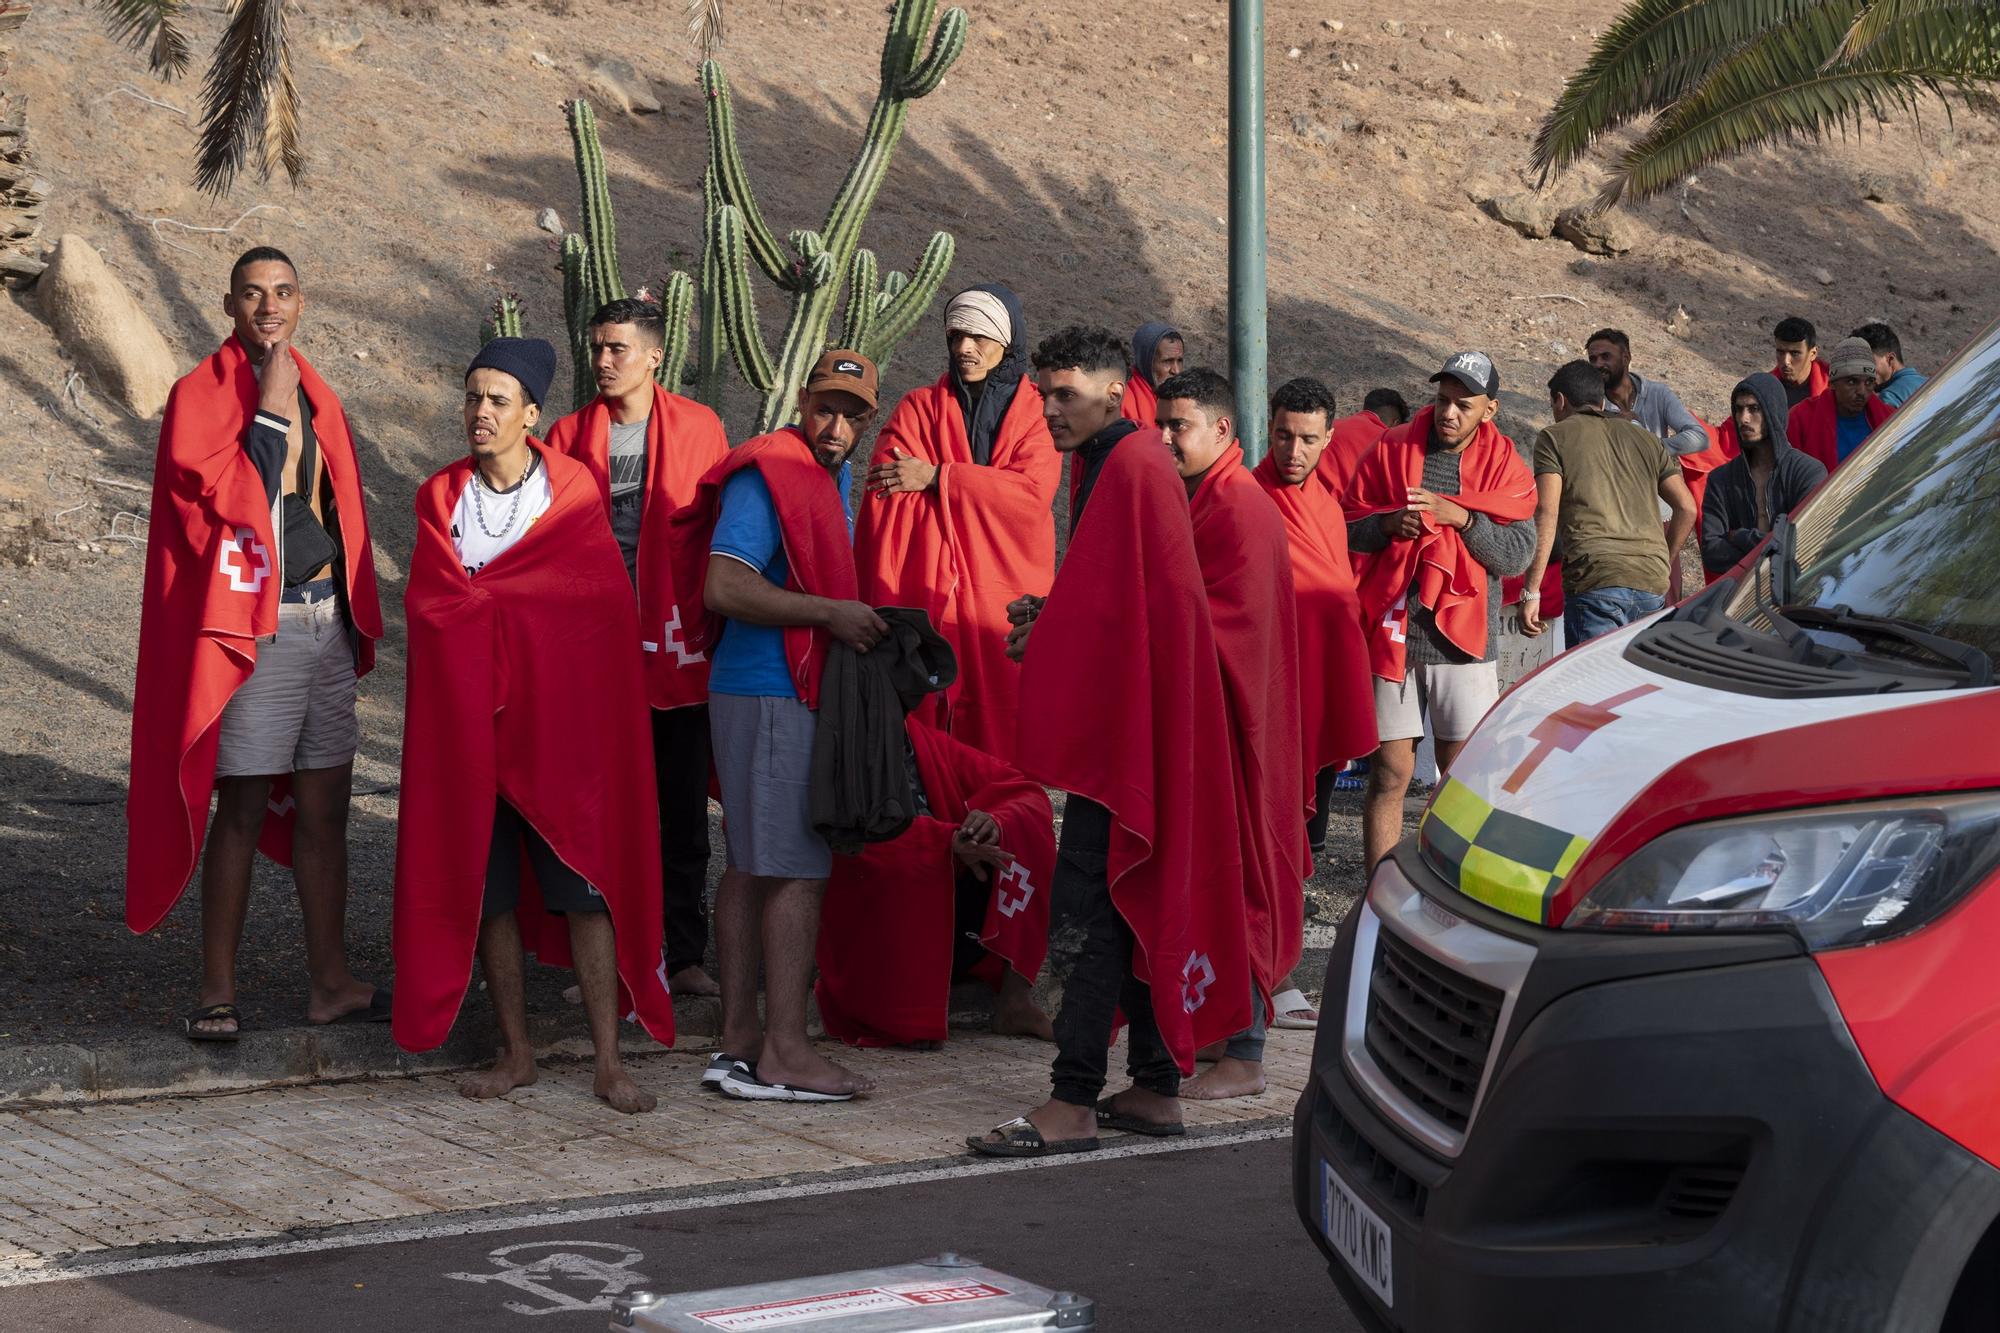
column 1287, row 1003
column 212, row 1013
column 377, row 1010
column 1132, row 1124
column 1019, row 1138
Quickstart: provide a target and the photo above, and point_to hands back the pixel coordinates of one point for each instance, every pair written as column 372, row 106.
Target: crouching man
column 528, row 822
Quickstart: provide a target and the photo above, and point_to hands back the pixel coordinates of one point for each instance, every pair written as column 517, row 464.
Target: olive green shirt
column 1608, row 527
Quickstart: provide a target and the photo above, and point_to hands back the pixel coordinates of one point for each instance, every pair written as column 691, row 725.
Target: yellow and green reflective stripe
column 1507, row 861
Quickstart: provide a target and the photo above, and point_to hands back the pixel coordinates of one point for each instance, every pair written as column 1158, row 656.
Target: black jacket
column 1729, row 508
column 860, row 784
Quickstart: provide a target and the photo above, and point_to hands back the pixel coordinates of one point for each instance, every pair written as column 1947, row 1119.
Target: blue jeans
column 1587, row 615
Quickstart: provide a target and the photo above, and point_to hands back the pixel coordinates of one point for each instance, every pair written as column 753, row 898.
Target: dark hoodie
column 1146, row 342
column 985, row 404
column 1729, row 510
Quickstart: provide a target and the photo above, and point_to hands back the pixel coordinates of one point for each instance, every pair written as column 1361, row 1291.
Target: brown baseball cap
column 844, row 370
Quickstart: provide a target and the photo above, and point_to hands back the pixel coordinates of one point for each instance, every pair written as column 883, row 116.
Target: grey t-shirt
column 628, row 488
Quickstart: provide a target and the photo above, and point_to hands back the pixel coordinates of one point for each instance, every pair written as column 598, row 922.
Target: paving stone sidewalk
column 186, row 1171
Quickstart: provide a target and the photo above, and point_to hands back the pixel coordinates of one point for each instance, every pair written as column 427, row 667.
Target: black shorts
column 563, row 890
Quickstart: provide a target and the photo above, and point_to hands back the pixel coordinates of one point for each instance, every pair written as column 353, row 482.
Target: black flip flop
column 1131, row 1124
column 210, row 1013
column 1019, row 1138
column 377, row 1010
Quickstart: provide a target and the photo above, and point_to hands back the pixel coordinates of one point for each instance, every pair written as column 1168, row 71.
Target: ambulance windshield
column 1909, row 527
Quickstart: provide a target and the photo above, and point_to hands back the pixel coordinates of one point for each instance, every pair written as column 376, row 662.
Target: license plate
column 1356, row 1234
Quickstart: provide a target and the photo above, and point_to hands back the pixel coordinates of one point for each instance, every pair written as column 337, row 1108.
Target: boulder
column 1595, row 232
column 549, row 221
column 625, row 86
column 1531, row 214
column 105, row 327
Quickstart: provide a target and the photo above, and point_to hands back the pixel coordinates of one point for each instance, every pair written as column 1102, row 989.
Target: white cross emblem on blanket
column 1016, row 875
column 252, row 564
column 670, row 634
column 1197, row 975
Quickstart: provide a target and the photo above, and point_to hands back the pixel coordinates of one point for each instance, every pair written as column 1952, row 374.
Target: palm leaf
column 1653, row 55
column 1787, row 85
column 705, row 26
column 249, row 97
column 1881, row 15
column 151, row 27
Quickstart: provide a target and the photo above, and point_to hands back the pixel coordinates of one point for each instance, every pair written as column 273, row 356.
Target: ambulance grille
column 1430, row 1029
column 1698, row 1193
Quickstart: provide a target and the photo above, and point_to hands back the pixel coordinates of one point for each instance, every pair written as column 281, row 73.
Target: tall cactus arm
column 600, row 226
column 711, row 348
column 577, row 311
column 739, row 308
column 909, row 20
column 862, row 288
column 503, row 320
column 725, row 165
column 819, row 266
column 902, row 311
column 946, row 47
column 676, row 308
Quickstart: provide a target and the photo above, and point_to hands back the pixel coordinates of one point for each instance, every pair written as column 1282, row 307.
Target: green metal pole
column 1249, row 303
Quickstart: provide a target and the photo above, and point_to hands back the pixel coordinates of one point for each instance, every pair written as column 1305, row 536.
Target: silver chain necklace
column 513, row 510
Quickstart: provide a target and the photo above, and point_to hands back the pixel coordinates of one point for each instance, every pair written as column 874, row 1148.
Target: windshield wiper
column 1978, row 667
column 1778, row 555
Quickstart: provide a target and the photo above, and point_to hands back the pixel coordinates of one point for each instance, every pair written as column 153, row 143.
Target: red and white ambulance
column 1681, row 1011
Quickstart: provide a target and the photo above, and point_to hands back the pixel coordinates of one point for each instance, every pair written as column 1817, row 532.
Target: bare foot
column 1228, row 1078
column 615, row 1086
column 803, row 1067
column 328, row 1005
column 1015, row 1013
column 693, row 980
column 1143, row 1105
column 508, row 1073
column 1212, row 1051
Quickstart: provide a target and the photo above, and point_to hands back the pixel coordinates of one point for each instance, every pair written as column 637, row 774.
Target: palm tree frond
column 151, row 27
column 1879, row 16
column 1783, row 87
column 705, row 26
column 281, row 121
column 250, row 65
column 1652, row 55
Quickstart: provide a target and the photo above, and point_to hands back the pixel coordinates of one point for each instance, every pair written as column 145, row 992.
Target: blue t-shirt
column 750, row 659
column 1849, row 432
column 1900, row 386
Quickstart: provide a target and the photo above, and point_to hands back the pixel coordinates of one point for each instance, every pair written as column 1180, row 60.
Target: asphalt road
column 1196, row 1240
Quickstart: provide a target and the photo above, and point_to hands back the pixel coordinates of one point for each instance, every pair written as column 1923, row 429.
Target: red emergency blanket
column 1119, row 704
column 1348, row 441
column 683, row 441
column 211, row 590
column 1336, row 689
column 1814, row 426
column 1493, row 481
column 817, row 548
column 522, row 684
column 887, row 929
column 981, row 537
column 1240, row 541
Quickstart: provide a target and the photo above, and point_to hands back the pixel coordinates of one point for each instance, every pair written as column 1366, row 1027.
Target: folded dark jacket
column 860, row 783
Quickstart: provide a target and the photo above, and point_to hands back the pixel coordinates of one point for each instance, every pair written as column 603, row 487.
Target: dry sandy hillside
column 1078, row 153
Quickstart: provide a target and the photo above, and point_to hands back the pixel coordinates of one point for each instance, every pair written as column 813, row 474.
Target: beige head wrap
column 981, row 313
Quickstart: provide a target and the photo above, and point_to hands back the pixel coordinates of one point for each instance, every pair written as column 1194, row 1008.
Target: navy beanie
column 529, row 360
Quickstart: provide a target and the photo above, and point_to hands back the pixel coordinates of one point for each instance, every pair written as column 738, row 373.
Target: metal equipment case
column 946, row 1294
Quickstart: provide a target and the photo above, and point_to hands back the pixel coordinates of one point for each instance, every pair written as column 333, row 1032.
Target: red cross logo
column 1197, row 975
column 1567, row 728
column 1016, row 875
column 245, row 561
column 670, row 636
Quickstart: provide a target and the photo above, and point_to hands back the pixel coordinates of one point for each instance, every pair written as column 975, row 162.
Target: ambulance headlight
column 1836, row 875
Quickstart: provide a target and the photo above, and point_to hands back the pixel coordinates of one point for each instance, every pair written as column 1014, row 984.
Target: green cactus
column 676, row 309
column 503, row 321
column 811, row 266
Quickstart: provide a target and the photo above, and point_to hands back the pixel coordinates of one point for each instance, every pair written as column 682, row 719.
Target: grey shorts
column 1453, row 697
column 763, row 763
column 297, row 709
